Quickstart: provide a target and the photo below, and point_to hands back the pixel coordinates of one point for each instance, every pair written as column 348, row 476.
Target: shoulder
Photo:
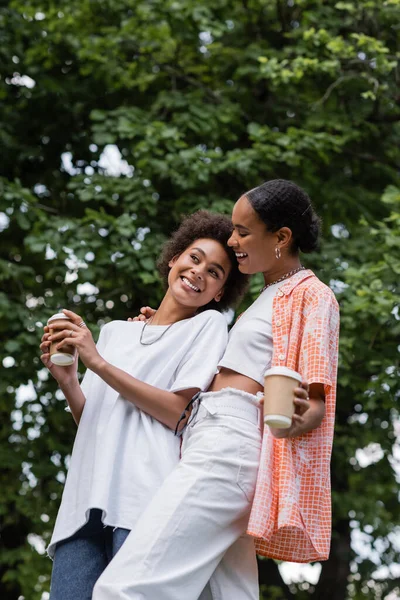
column 316, row 304
column 212, row 316
column 314, row 292
column 210, row 319
column 111, row 325
column 118, row 327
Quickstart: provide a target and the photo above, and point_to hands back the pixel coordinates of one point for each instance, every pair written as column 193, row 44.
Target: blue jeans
column 80, row 559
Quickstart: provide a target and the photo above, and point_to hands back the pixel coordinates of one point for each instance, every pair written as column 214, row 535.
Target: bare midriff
column 228, row 378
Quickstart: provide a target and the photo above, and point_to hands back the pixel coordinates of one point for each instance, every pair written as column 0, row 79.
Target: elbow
column 178, row 417
column 180, row 410
column 176, row 420
column 169, row 418
column 77, row 416
column 171, row 424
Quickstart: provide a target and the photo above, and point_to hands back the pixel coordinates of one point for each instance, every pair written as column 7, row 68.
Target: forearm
column 164, row 406
column 75, row 398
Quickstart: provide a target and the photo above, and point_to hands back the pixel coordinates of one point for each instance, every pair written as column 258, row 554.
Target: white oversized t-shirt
column 121, row 455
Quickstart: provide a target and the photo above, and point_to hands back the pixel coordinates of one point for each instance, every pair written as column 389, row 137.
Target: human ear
column 173, row 260
column 218, row 297
column 285, row 237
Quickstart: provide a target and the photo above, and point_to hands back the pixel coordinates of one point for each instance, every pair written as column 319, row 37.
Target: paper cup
column 279, row 385
column 66, row 356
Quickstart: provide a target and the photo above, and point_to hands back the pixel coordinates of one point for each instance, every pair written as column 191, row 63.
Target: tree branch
column 339, row 81
column 333, row 85
column 47, row 208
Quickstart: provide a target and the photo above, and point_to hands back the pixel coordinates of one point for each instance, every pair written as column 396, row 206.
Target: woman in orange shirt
column 196, row 522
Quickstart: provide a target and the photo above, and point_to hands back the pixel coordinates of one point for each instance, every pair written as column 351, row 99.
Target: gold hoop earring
column 277, row 252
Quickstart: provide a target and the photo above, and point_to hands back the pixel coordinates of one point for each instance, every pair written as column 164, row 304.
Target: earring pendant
column 277, row 252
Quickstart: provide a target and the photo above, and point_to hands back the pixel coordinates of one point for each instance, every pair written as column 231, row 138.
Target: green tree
column 203, row 100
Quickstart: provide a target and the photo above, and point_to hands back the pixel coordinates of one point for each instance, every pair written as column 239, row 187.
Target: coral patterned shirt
column 291, row 514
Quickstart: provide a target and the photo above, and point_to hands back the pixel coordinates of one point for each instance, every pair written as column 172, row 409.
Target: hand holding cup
column 279, row 395
column 62, row 365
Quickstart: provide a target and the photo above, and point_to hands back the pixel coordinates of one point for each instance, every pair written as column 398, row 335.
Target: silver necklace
column 285, row 276
column 156, row 340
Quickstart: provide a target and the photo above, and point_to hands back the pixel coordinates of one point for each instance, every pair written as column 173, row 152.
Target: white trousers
column 176, row 550
column 236, row 576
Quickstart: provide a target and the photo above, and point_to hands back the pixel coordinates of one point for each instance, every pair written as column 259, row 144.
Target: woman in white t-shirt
column 139, row 378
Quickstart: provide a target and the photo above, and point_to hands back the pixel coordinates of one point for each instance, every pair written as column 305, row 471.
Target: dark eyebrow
column 238, row 226
column 216, row 265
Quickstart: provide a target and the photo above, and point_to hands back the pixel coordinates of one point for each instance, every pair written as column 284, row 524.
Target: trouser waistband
column 232, row 402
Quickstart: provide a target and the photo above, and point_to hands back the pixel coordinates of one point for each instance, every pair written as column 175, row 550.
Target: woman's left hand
column 75, row 333
column 309, row 411
column 301, row 403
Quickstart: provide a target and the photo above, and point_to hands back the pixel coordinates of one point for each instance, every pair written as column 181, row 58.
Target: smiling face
column 253, row 244
column 198, row 275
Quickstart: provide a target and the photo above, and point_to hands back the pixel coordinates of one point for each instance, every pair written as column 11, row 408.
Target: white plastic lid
column 57, row 316
column 278, row 421
column 284, row 371
column 62, row 359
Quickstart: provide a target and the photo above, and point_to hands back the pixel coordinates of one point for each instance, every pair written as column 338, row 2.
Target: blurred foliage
column 203, row 100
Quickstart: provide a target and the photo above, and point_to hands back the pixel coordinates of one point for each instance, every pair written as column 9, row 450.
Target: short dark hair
column 281, row 203
column 208, row 225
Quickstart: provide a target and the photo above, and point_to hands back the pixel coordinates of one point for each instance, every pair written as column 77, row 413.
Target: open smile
column 190, row 285
column 240, row 255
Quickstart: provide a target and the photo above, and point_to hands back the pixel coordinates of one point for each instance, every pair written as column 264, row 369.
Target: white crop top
column 249, row 349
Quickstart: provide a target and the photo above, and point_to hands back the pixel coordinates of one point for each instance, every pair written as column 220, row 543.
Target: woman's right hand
column 63, row 375
column 146, row 312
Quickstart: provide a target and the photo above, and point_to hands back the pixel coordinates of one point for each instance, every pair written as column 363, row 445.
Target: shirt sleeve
column 319, row 345
column 199, row 366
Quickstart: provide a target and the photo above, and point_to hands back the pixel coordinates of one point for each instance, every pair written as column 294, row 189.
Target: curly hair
column 282, row 203
column 204, row 224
